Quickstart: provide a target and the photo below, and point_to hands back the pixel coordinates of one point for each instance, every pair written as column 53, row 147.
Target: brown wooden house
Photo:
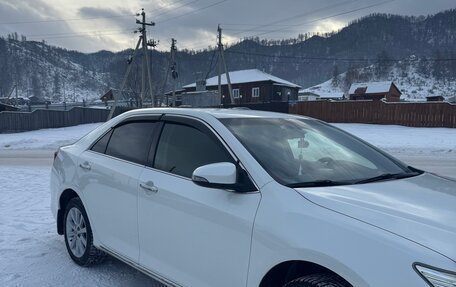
column 375, row 91
column 435, row 99
column 108, row 96
column 5, row 107
column 251, row 86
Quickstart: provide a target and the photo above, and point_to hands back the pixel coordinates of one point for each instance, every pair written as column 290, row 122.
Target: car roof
column 217, row 113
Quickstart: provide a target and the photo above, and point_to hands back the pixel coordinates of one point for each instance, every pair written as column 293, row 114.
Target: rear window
column 131, row 141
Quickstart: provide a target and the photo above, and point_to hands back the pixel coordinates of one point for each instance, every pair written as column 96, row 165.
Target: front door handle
column 149, row 187
column 85, row 165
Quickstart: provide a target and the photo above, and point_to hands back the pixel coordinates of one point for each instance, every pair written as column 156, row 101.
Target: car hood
column 421, row 208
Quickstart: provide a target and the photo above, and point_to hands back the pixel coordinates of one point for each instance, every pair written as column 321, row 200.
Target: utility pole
column 174, row 74
column 172, row 66
column 145, row 64
column 222, row 57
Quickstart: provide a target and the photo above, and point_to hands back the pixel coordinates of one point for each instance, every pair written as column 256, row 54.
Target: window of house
column 255, row 92
column 182, row 149
column 236, row 93
column 131, row 141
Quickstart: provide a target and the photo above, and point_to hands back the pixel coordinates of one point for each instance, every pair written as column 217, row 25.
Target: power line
column 168, row 5
column 210, row 65
column 304, row 58
column 193, row 12
column 176, row 8
column 300, row 15
column 77, row 33
column 65, row 20
column 332, row 16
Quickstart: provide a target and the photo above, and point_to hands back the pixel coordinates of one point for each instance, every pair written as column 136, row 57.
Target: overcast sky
column 92, row 25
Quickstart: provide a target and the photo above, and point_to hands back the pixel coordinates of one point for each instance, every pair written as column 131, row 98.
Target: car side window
column 182, row 149
column 131, row 141
column 100, row 145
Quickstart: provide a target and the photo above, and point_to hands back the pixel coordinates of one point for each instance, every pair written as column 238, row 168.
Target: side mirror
column 216, row 175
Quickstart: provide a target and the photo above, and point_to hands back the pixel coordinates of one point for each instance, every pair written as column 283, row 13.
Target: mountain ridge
column 380, row 41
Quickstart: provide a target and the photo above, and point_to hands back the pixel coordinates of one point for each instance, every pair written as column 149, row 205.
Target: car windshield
column 301, row 153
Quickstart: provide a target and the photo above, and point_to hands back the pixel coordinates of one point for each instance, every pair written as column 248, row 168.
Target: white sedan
column 229, row 198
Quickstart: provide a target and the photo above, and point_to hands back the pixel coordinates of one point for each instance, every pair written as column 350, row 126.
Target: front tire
column 78, row 235
column 318, row 280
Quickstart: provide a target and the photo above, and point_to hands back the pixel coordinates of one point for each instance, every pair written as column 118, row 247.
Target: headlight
column 436, row 277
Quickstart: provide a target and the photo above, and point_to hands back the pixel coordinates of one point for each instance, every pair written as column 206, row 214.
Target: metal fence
column 437, row 114
column 43, row 119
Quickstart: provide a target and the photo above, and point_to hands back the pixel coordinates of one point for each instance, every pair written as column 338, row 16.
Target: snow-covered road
column 32, row 254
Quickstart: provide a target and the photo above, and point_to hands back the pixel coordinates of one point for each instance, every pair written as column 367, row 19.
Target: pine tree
column 57, row 88
column 383, row 65
column 336, row 77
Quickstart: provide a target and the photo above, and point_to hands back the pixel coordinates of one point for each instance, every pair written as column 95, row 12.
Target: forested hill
column 379, row 41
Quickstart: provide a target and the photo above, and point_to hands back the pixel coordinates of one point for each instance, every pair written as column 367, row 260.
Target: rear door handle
column 149, row 187
column 85, row 165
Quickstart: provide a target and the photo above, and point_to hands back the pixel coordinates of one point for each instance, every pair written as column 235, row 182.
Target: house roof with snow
column 323, row 92
column 246, row 76
column 371, row 88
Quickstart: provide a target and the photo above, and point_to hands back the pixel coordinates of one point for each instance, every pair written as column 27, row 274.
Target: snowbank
column 44, row 139
column 394, row 139
column 406, row 140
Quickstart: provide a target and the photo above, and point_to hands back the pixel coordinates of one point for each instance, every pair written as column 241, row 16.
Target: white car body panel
column 195, row 234
column 370, row 234
column 296, row 229
column 110, row 190
column 405, row 207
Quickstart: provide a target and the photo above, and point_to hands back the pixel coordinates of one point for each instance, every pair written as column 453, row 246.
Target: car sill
column 146, row 271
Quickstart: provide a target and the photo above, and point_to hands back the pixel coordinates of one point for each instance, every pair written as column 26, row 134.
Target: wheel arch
column 65, row 197
column 286, row 271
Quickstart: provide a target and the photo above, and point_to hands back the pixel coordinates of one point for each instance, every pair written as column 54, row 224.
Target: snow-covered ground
column 391, row 138
column 413, row 84
column 400, row 140
column 44, row 139
column 31, row 252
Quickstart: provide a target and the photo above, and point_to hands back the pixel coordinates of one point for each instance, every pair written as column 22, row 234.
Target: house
column 435, row 99
column 375, row 91
column 108, row 96
column 304, row 96
column 250, row 86
column 5, row 107
column 317, row 94
column 193, row 99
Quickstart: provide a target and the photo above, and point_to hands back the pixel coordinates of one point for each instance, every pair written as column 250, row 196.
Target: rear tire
column 318, row 280
column 78, row 235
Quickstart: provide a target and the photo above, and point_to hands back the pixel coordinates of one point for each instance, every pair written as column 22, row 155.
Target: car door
column 109, row 173
column 193, row 235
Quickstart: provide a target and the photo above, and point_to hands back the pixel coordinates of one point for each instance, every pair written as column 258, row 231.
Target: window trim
column 133, row 119
column 99, row 139
column 253, row 92
column 192, row 123
column 238, row 92
column 206, row 128
column 149, row 141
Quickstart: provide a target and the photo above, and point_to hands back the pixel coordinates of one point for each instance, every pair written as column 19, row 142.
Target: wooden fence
column 368, row 112
column 429, row 114
column 43, row 119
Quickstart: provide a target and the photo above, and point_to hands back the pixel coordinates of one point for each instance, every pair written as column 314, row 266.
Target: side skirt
column 144, row 270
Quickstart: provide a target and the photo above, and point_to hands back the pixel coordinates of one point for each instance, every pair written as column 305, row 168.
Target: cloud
column 192, row 22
